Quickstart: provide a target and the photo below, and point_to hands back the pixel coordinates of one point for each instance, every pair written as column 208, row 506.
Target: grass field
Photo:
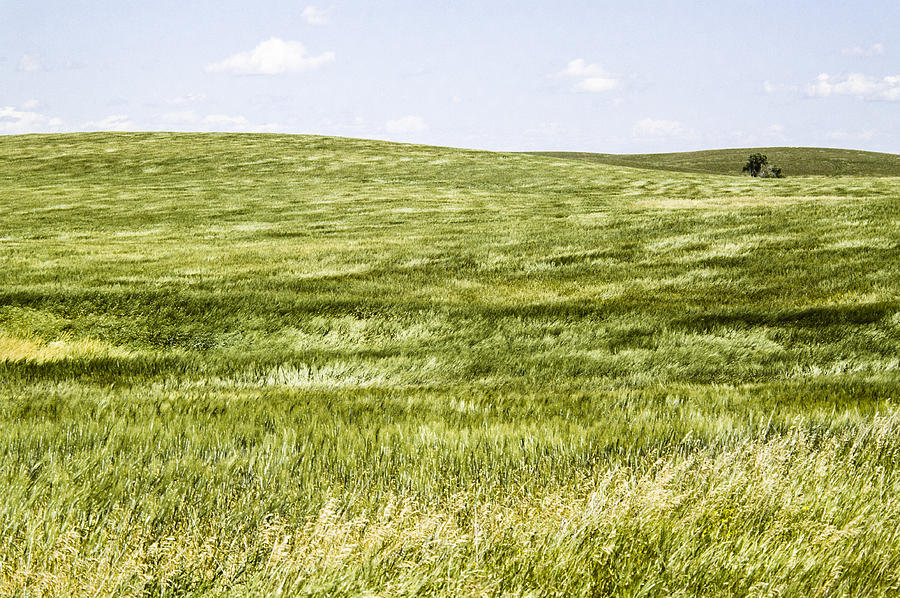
column 795, row 161
column 257, row 365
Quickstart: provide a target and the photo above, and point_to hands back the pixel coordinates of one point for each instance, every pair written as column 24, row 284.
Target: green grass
column 238, row 365
column 795, row 161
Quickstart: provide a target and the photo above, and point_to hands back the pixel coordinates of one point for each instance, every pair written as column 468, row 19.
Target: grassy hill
column 238, row 365
column 795, row 161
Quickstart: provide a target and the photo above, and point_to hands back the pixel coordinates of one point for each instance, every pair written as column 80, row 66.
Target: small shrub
column 770, row 172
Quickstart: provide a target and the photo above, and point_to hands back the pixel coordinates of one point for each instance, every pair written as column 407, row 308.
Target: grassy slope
column 795, row 161
column 236, row 363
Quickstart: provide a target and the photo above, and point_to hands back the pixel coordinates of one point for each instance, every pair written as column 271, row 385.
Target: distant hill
column 795, row 161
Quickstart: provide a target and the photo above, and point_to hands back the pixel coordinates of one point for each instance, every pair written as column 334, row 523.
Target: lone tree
column 755, row 164
column 758, row 165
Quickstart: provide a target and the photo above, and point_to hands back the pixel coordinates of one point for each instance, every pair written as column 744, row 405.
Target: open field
column 796, row 161
column 238, row 365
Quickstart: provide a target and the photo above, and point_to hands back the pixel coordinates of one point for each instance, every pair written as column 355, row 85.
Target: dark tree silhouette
column 755, row 164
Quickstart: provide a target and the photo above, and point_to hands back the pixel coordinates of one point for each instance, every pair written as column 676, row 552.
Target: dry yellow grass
column 38, row 351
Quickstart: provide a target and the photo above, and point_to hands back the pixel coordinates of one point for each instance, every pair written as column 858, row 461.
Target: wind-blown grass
column 242, row 364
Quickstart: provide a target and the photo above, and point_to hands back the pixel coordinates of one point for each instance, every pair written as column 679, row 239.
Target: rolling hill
column 795, row 161
column 256, row 365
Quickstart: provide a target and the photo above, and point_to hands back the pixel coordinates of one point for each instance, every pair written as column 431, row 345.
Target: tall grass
column 248, row 365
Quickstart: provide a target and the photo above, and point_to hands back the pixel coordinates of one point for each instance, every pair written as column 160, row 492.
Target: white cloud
column 188, row 120
column 31, row 105
column 579, row 68
column 770, row 87
column 649, row 127
column 72, row 65
column 225, row 121
column 271, row 57
column 543, row 130
column 179, row 117
column 15, row 121
column 406, row 125
column 113, row 122
column 269, row 128
column 597, row 84
column 315, row 15
column 188, row 98
column 774, row 130
column 592, row 77
column 856, row 85
column 841, row 135
column 858, row 51
column 30, row 63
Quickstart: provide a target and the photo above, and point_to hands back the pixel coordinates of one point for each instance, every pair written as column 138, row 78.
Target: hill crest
column 795, row 161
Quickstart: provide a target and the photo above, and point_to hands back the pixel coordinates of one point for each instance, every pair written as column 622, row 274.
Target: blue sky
column 586, row 76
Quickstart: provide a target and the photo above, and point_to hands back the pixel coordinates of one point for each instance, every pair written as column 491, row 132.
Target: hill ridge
column 795, row 161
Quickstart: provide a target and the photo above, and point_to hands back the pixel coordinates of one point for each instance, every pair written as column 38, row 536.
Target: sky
column 597, row 76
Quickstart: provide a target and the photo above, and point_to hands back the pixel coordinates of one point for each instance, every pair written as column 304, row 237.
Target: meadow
column 261, row 365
